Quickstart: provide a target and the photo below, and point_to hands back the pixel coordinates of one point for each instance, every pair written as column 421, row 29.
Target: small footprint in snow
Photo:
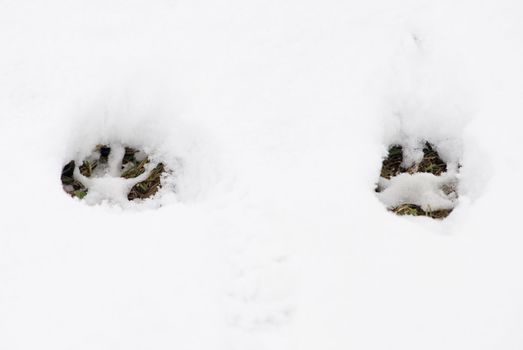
column 113, row 173
column 422, row 188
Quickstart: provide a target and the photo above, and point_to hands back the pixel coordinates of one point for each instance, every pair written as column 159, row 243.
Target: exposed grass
column 70, row 185
column 86, row 169
column 129, row 156
column 431, row 162
column 149, row 186
column 135, row 169
column 392, row 164
column 415, row 210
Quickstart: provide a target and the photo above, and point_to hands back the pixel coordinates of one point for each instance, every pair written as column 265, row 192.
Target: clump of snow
column 422, row 189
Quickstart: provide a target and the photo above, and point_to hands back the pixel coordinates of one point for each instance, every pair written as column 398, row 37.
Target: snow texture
column 278, row 115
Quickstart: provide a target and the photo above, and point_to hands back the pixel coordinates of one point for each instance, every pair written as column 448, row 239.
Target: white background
column 280, row 113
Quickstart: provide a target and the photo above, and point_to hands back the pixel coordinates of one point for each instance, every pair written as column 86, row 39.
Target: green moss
column 79, row 194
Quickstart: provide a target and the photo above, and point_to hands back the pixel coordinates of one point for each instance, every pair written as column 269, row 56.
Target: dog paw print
column 114, row 173
column 425, row 187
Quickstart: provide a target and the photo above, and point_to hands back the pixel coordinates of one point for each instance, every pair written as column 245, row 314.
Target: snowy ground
column 279, row 113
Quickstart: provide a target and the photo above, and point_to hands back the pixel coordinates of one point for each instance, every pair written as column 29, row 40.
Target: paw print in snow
column 114, row 173
column 422, row 188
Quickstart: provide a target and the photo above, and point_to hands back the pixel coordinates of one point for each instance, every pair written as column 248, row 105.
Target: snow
column 423, row 189
column 277, row 115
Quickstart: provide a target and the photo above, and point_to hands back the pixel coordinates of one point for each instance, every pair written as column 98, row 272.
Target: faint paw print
column 114, row 173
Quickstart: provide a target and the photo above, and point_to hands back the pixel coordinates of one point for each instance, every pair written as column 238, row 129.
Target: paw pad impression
column 426, row 186
column 116, row 174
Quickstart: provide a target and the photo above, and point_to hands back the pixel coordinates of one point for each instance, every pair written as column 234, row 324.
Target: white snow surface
column 278, row 114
